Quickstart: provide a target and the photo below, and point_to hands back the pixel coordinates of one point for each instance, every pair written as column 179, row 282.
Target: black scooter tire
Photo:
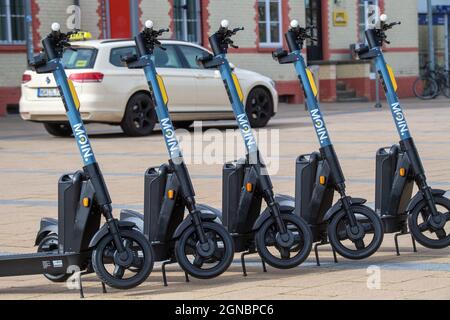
column 418, row 235
column 199, row 273
column 360, row 254
column 301, row 255
column 123, row 284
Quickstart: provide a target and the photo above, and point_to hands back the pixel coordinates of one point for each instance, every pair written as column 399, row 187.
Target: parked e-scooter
column 353, row 229
column 121, row 256
column 429, row 210
column 201, row 246
column 282, row 239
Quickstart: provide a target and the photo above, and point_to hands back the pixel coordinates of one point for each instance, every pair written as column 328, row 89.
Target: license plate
column 48, row 92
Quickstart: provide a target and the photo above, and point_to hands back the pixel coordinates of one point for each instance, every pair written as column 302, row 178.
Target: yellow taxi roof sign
column 80, row 36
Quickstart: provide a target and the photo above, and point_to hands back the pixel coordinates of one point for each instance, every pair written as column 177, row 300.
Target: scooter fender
column 285, row 202
column 419, row 197
column 207, row 217
column 133, row 216
column 48, row 225
column 103, row 231
column 338, row 205
column 266, row 215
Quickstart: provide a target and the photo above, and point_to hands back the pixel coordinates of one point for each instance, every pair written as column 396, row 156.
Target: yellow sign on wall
column 340, row 18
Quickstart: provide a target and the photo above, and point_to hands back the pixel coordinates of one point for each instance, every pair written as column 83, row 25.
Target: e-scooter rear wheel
column 123, row 272
column 358, row 242
column 284, row 253
column 431, row 234
column 208, row 262
column 50, row 244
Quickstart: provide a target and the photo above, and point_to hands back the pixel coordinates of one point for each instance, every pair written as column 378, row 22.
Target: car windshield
column 80, row 58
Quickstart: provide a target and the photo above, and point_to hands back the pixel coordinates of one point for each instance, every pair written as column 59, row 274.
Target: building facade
column 340, row 23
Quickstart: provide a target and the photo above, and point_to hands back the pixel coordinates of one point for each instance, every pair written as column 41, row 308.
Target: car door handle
column 200, row 76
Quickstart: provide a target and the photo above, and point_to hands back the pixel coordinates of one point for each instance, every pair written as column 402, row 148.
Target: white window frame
column 365, row 23
column 9, row 16
column 185, row 21
column 269, row 43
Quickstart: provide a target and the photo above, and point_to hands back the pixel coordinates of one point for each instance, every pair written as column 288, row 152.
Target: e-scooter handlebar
column 221, row 40
column 53, row 46
column 295, row 38
column 148, row 40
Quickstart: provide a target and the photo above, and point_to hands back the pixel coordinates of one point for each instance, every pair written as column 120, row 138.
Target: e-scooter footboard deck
column 39, row 263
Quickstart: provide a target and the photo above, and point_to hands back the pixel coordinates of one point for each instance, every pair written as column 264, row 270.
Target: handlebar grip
column 362, row 49
column 129, row 59
column 280, row 53
column 38, row 61
column 205, row 58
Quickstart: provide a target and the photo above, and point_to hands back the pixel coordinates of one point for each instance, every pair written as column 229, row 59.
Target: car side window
column 191, row 53
column 161, row 58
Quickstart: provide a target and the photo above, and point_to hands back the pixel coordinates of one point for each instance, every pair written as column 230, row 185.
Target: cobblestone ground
column 31, row 162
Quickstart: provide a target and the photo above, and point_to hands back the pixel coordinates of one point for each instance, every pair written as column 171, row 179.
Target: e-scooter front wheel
column 360, row 241
column 209, row 260
column 431, row 232
column 288, row 250
column 126, row 270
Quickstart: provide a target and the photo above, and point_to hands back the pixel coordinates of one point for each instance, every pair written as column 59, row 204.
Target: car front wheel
column 259, row 107
column 58, row 129
column 140, row 116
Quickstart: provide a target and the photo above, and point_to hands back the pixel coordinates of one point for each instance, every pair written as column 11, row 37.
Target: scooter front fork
column 113, row 228
column 275, row 209
column 347, row 206
column 197, row 220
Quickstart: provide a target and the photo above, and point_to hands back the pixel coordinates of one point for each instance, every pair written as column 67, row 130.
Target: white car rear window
column 162, row 59
column 80, row 58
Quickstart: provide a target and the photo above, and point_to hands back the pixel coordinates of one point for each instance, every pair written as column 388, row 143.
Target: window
column 12, row 22
column 367, row 11
column 270, row 33
column 191, row 54
column 162, row 59
column 187, row 20
column 82, row 58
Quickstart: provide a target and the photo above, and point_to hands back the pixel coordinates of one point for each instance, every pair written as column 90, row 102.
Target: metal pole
column 134, row 17
column 446, row 39
column 431, row 57
column 29, row 30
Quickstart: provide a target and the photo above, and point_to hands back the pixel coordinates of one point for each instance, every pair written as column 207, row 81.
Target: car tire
column 58, row 129
column 259, row 107
column 182, row 124
column 140, row 116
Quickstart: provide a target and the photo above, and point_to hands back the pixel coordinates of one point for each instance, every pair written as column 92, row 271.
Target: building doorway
column 314, row 17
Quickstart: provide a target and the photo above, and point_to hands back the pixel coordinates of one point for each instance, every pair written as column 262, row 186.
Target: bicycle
column 431, row 83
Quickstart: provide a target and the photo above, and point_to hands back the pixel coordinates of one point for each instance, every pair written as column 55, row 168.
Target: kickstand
column 414, row 243
column 397, row 248
column 163, row 269
column 316, row 252
column 81, row 286
column 186, row 276
column 264, row 266
column 244, row 269
column 104, row 288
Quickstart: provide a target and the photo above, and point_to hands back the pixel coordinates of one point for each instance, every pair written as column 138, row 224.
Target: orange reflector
column 249, row 187
column 402, row 172
column 86, row 202
column 171, row 194
column 322, row 180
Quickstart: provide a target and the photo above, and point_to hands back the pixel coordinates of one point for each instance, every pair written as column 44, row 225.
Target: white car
column 111, row 93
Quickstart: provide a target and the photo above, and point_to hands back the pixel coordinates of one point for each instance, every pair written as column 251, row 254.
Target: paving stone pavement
column 31, row 162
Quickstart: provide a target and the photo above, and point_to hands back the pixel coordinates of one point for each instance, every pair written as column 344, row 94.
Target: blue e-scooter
column 282, row 239
column 354, row 230
column 121, row 256
column 200, row 245
column 429, row 210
